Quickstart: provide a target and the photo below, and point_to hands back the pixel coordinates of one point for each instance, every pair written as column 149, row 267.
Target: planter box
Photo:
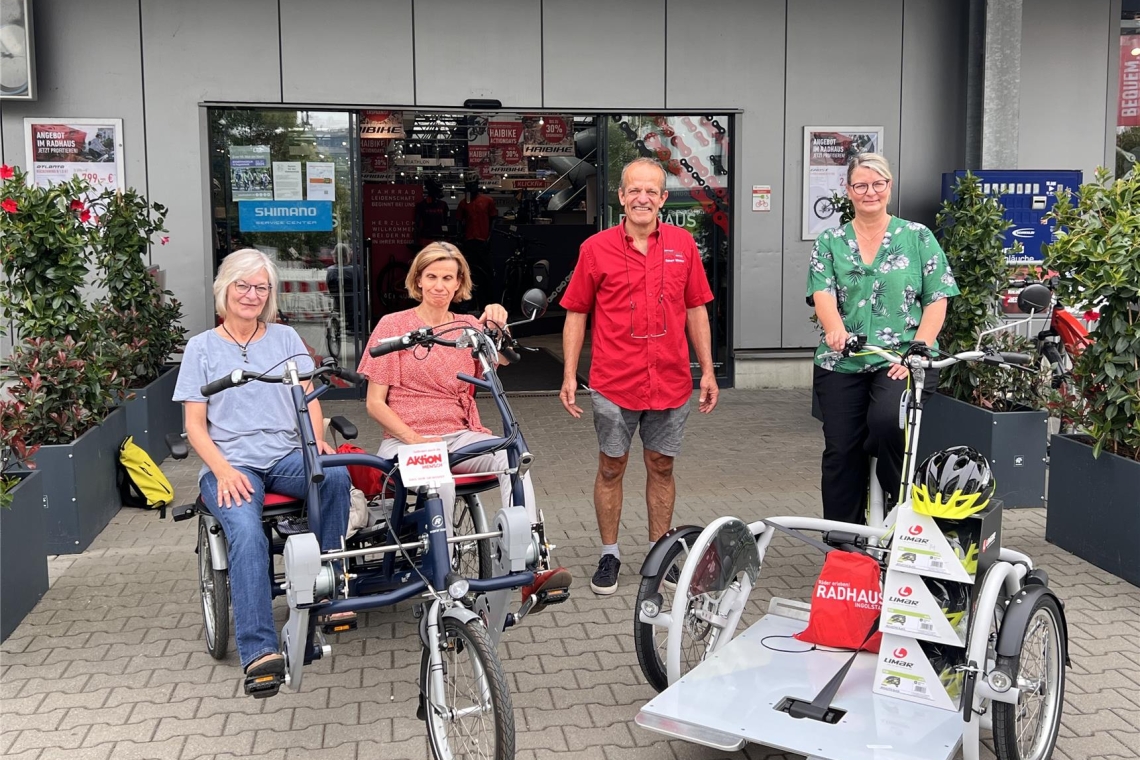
column 151, row 414
column 79, row 485
column 1093, row 508
column 1016, row 443
column 23, row 556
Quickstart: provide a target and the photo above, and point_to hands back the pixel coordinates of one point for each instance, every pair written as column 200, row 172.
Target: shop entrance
column 344, row 199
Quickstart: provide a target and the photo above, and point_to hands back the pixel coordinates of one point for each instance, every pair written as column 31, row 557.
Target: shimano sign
column 285, row 216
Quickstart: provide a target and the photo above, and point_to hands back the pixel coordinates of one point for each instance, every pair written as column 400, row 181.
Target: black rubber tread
column 1005, row 714
column 648, row 655
column 215, row 605
column 472, row 638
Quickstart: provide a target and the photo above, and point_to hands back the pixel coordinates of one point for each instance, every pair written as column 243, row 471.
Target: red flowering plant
column 45, row 249
column 136, row 313
column 15, row 451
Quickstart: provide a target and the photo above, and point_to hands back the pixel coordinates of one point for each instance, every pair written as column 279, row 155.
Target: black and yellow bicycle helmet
column 952, row 484
column 952, row 598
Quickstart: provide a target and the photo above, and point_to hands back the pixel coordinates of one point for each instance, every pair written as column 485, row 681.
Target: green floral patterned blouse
column 883, row 301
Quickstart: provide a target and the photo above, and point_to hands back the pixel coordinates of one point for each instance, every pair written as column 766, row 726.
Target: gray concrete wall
column 784, row 65
column 1068, row 53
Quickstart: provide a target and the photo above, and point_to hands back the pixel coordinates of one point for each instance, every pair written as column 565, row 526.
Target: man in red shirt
column 645, row 285
column 476, row 213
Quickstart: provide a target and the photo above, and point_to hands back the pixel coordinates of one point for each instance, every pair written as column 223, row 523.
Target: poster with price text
column 59, row 149
column 826, row 152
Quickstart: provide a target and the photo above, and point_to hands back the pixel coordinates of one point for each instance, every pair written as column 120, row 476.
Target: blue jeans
column 251, row 597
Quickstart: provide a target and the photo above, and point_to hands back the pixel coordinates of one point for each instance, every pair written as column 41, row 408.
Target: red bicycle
column 1064, row 337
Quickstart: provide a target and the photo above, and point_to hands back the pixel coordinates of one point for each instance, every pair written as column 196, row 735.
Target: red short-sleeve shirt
column 638, row 301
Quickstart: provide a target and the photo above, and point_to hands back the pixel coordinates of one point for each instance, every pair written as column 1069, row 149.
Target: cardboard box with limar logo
column 914, row 606
column 953, row 550
column 917, row 672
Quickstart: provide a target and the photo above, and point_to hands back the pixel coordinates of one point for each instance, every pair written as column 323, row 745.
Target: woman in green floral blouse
column 888, row 279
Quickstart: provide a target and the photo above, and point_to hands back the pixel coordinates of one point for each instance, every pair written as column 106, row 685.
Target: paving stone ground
column 112, row 664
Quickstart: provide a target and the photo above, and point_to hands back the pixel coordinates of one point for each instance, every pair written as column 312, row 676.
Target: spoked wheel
column 717, row 592
column 215, row 588
column 471, row 558
column 478, row 720
column 1028, row 729
column 650, row 640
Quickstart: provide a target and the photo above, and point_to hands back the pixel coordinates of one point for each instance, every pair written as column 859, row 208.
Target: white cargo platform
column 730, row 700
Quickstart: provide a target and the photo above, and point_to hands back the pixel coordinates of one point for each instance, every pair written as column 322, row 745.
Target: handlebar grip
column 348, row 375
column 854, row 343
column 511, row 354
column 388, row 345
column 223, row 383
column 1010, row 357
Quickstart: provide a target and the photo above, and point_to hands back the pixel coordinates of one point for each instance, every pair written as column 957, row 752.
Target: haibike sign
column 285, row 216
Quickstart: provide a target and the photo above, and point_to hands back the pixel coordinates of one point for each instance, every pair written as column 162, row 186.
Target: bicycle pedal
column 339, row 625
column 553, row 596
column 263, row 686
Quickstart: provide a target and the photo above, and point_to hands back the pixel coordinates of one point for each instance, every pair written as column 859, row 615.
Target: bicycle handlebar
column 917, row 355
column 425, row 336
column 241, row 377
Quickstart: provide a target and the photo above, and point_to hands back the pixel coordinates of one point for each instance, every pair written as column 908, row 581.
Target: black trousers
column 861, row 419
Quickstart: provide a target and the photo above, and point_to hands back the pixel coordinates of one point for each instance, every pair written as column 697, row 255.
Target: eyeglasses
column 660, row 301
column 861, row 188
column 242, row 288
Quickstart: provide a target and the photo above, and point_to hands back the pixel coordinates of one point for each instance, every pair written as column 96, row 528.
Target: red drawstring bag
column 368, row 479
column 845, row 603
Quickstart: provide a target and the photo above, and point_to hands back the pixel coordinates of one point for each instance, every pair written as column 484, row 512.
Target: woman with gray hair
column 248, row 440
column 888, row 279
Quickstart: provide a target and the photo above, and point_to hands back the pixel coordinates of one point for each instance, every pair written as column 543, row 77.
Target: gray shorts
column 661, row 430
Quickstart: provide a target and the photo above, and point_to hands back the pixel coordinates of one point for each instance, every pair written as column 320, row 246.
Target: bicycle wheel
column 1028, row 729
column 471, row 559
column 823, row 208
column 391, row 288
column 332, row 337
column 479, row 721
column 651, row 640
column 214, row 586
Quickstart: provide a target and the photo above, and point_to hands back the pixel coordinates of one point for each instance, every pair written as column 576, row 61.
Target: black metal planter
column 1016, row 443
column 23, row 557
column 1094, row 507
column 151, row 414
column 79, row 483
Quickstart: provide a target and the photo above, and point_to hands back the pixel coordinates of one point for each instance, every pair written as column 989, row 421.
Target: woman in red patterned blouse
column 416, row 396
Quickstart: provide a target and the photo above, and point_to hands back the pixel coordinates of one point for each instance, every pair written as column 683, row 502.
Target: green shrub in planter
column 136, row 312
column 66, row 386
column 1096, row 252
column 15, row 449
column 971, row 227
column 45, row 242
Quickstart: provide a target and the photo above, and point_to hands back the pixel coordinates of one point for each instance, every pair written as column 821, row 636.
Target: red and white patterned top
column 422, row 386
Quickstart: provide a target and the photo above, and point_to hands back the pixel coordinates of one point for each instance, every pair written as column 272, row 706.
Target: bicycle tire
column 332, row 337
column 472, row 559
column 214, row 588
column 824, row 208
column 485, row 683
column 391, row 288
column 650, row 640
column 1044, row 631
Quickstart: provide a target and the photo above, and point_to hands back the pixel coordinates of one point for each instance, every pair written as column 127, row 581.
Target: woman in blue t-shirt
column 248, row 440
